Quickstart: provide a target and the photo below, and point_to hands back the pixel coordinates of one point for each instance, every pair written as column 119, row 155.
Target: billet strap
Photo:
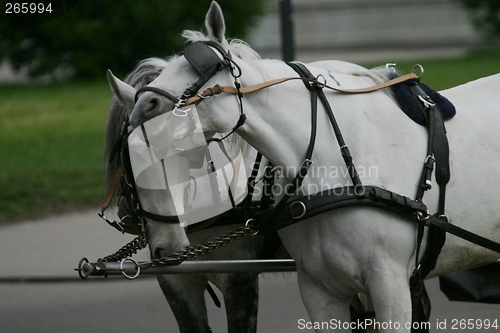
column 217, row 89
column 112, row 188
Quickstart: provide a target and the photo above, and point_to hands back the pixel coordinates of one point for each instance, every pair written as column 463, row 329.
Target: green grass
column 51, row 144
column 51, row 137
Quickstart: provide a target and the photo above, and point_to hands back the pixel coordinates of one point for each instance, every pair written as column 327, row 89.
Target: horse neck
column 271, row 114
column 279, row 123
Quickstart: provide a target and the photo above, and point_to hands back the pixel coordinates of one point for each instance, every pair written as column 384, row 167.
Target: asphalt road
column 52, row 247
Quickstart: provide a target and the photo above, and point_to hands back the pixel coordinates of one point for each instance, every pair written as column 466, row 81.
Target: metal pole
column 129, row 267
column 287, row 40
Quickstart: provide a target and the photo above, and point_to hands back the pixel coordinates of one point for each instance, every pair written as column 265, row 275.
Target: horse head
column 160, row 201
column 206, row 61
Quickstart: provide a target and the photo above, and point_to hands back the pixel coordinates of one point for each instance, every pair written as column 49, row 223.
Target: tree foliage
column 96, row 35
column 485, row 15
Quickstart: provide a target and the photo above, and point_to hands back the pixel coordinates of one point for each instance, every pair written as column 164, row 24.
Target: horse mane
column 382, row 74
column 144, row 73
column 379, row 75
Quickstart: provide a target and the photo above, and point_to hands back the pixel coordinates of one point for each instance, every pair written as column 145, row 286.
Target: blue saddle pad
column 409, row 104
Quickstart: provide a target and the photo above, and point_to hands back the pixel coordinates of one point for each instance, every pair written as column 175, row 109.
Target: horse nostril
column 158, row 252
column 148, row 102
column 154, row 104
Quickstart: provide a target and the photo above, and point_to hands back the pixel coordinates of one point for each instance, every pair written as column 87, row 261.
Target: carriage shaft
column 192, row 267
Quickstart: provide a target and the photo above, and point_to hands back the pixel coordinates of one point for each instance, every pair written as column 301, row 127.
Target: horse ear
column 124, row 92
column 214, row 22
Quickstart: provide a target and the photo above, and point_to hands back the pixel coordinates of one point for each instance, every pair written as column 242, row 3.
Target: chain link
column 199, row 250
column 128, row 250
column 177, row 258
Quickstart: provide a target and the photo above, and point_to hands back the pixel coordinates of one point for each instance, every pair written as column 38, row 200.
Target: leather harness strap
column 217, row 89
column 438, row 154
column 304, row 167
column 306, row 207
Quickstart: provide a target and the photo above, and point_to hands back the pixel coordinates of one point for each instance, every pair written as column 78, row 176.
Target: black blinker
column 205, row 61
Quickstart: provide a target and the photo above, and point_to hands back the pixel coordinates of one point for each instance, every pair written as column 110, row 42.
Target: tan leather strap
column 217, row 89
column 112, row 188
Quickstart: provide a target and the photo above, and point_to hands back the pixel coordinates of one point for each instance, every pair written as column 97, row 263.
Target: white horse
column 357, row 249
column 185, row 293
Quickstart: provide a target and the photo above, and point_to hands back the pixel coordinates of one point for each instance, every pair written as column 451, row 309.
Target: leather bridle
column 207, row 58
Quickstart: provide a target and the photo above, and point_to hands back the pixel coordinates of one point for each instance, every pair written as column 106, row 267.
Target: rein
column 217, row 89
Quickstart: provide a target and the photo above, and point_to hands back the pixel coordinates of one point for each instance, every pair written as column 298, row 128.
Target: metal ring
column 247, row 225
column 390, row 67
column 421, row 217
column 203, row 97
column 183, row 114
column 304, row 209
column 429, row 157
column 421, row 70
column 82, row 262
column 426, row 101
column 137, row 267
column 231, row 69
column 319, row 83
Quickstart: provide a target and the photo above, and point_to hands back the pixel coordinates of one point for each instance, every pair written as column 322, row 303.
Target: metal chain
column 128, row 250
column 199, row 250
column 176, row 258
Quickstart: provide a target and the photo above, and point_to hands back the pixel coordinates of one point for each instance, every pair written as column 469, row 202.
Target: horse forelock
column 242, row 50
column 145, row 72
column 195, row 36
